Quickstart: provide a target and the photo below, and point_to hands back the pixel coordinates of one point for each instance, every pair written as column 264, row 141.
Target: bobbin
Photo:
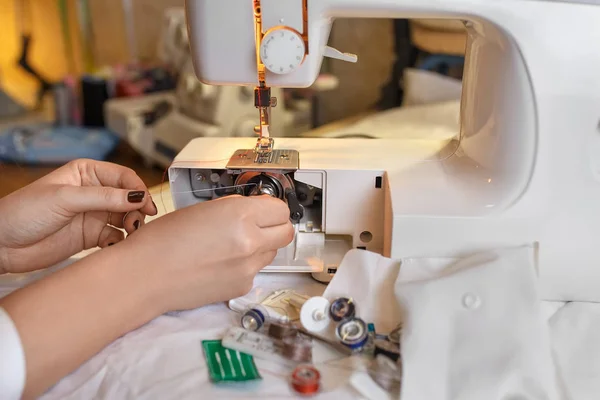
column 353, row 333
column 254, row 317
column 314, row 314
column 342, row 308
column 306, row 380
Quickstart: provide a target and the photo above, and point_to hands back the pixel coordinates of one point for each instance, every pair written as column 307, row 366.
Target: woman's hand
column 199, row 255
column 209, row 252
column 77, row 207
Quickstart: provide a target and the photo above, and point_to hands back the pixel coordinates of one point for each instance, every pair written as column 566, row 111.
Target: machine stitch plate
column 278, row 160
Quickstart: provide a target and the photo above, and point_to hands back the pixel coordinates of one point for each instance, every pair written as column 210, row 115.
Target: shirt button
column 471, row 301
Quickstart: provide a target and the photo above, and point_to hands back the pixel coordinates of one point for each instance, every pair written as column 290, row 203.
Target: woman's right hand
column 209, row 252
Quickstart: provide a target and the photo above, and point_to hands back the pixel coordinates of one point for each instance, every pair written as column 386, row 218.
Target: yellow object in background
column 47, row 53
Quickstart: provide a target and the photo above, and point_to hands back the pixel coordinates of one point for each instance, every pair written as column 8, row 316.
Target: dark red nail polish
column 136, row 224
column 136, row 197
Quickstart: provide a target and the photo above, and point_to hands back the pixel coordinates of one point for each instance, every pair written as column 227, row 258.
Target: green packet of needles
column 226, row 365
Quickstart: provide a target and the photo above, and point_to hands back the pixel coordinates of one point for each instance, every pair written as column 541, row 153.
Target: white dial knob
column 282, row 50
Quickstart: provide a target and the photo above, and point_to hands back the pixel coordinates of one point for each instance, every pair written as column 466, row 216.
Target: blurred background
column 111, row 80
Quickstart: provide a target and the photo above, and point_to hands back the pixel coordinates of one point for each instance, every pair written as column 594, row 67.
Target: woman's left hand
column 77, row 207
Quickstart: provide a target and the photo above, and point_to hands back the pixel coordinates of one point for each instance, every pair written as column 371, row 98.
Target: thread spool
column 386, row 373
column 387, row 349
column 342, row 308
column 297, row 349
column 314, row 314
column 306, row 380
column 353, row 333
column 281, row 331
column 254, row 318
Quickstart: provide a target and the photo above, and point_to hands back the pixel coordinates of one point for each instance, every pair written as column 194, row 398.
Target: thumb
column 79, row 199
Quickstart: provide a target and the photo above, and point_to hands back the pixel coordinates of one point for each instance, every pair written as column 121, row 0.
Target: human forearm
column 65, row 319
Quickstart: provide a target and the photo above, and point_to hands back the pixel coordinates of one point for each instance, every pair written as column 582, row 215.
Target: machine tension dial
column 282, row 50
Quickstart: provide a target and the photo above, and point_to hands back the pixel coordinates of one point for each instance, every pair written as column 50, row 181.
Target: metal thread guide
column 263, row 156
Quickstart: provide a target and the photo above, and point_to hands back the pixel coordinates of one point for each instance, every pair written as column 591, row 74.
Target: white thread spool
column 314, row 314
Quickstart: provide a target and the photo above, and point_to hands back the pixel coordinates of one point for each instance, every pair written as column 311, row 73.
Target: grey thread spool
column 297, row 348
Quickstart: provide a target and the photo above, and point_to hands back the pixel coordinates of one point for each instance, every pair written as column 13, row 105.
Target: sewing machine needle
column 218, row 357
column 241, row 363
column 230, row 362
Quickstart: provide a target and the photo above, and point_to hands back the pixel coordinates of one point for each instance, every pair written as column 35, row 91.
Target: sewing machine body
column 343, row 200
column 525, row 168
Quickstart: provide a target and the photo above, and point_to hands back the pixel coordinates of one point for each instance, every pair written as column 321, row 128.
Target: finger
column 270, row 211
column 261, row 260
column 276, row 237
column 109, row 236
column 116, row 219
column 77, row 199
column 102, row 173
column 133, row 221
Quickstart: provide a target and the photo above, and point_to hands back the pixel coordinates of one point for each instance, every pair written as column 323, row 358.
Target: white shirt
column 12, row 359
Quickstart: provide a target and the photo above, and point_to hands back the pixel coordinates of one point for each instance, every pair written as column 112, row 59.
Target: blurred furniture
column 436, row 36
column 15, row 176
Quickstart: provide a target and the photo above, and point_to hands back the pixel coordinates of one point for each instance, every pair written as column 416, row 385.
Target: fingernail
column 136, row 224
column 154, row 204
column 110, row 244
column 136, row 197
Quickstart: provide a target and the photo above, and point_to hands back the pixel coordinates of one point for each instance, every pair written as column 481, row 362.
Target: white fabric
column 476, row 329
column 164, row 359
column 575, row 332
column 368, row 279
column 12, row 359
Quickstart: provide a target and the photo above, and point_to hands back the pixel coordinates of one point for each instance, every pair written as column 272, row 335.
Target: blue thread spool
column 353, row 333
column 253, row 319
column 341, row 309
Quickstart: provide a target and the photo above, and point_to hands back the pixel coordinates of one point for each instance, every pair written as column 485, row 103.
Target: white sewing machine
column 195, row 109
column 525, row 168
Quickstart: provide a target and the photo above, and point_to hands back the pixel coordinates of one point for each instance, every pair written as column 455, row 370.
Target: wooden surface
column 438, row 41
column 13, row 177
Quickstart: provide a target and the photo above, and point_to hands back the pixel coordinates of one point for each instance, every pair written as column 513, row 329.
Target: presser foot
column 263, row 150
column 250, row 159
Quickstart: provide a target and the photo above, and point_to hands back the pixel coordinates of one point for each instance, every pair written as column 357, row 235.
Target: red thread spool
column 306, row 380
